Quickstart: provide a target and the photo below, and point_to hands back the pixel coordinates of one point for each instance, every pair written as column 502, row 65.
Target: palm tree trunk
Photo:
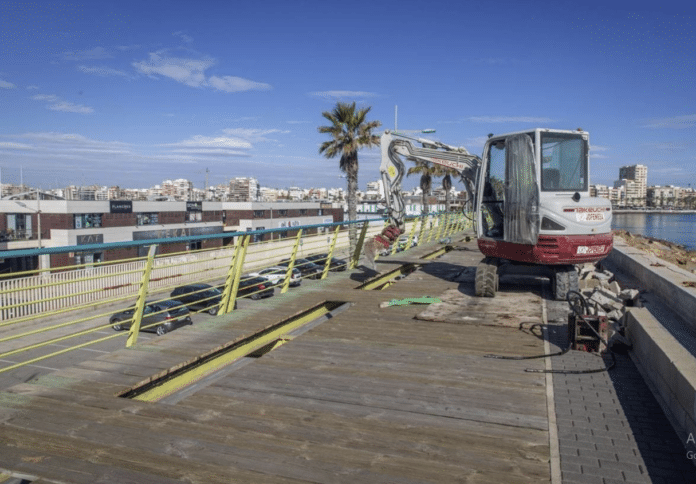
column 352, row 178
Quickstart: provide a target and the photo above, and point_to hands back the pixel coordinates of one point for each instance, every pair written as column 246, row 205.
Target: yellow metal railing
column 66, row 303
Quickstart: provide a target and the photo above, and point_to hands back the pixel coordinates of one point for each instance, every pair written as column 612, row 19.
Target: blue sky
column 132, row 93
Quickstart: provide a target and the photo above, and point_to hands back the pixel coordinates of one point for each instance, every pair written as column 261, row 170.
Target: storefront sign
column 120, row 206
column 90, row 239
column 194, row 206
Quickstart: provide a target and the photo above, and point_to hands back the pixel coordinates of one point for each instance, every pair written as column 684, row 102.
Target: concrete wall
column 664, row 281
column 667, row 367
column 665, row 364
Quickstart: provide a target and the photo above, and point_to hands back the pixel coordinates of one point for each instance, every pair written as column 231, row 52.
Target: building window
column 87, row 258
column 18, row 227
column 303, row 211
column 283, row 213
column 194, row 245
column 88, row 220
column 320, row 212
column 147, row 219
column 259, row 213
column 194, row 216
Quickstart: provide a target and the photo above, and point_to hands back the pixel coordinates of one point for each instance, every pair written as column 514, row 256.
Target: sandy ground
column 665, row 250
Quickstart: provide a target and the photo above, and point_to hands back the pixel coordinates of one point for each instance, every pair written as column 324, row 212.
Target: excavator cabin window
column 563, row 162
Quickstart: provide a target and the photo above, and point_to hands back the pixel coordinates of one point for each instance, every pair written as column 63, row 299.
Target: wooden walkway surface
column 370, row 395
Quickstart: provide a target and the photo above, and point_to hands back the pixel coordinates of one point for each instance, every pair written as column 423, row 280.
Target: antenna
column 205, row 195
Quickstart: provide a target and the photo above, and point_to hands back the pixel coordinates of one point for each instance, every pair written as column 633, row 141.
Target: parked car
column 306, row 267
column 335, row 264
column 170, row 314
column 254, row 287
column 199, row 296
column 276, row 275
column 403, row 241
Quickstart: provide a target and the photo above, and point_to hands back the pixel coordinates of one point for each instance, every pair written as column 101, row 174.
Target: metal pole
column 38, row 215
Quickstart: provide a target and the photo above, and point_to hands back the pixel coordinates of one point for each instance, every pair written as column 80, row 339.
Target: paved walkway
column 610, row 427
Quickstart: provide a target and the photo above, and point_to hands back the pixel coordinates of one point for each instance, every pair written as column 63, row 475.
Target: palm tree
column 447, row 174
column 349, row 132
column 426, row 171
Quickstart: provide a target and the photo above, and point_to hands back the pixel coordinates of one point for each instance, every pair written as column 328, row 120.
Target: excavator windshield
column 563, row 162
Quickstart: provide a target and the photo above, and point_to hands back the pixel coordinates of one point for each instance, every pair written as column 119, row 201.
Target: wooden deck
column 370, row 395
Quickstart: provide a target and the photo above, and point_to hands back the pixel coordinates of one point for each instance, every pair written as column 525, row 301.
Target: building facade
column 74, row 223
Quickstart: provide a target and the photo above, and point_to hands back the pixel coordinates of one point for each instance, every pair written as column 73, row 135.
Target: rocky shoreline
column 663, row 249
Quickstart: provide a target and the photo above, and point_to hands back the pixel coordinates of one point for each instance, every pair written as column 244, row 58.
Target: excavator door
column 509, row 204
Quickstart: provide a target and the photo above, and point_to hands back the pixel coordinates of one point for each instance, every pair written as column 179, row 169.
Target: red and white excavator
column 532, row 207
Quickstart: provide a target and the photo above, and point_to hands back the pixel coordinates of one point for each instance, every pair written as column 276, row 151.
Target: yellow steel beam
column 237, row 351
column 142, row 294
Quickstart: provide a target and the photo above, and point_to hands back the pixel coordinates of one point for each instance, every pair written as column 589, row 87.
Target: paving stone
column 576, row 478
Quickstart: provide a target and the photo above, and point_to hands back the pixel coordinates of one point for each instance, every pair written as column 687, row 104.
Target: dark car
column 169, row 314
column 306, row 267
column 334, row 266
column 254, row 287
column 199, row 296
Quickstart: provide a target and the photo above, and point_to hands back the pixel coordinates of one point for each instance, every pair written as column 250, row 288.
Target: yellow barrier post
column 432, row 227
column 455, row 223
column 327, row 263
column 411, row 235
column 291, row 264
column 359, row 246
column 448, row 226
column 421, row 234
column 238, row 274
column 395, row 244
column 142, row 294
column 229, row 280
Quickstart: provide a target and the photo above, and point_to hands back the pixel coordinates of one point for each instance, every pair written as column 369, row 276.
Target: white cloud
column 191, row 72
column 45, row 97
column 91, row 54
column 69, row 107
column 6, row 85
column 236, row 84
column 186, row 71
column 251, row 134
column 185, row 38
column 14, row 146
column 343, row 94
column 57, row 104
column 32, row 88
column 675, row 122
column 598, row 148
column 509, row 119
column 102, row 71
column 199, row 141
column 597, row 155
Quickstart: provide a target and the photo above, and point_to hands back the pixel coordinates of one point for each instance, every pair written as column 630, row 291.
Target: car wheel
column 255, row 297
column 213, row 311
column 161, row 330
column 117, row 326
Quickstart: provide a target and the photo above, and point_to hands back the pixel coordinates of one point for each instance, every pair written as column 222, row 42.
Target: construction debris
column 606, row 301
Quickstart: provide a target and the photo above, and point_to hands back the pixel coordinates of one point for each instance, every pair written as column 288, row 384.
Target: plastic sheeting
column 521, row 225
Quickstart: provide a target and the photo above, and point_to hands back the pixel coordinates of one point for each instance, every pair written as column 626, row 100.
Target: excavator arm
column 392, row 169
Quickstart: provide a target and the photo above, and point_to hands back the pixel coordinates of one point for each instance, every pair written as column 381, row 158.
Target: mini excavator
column 530, row 193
